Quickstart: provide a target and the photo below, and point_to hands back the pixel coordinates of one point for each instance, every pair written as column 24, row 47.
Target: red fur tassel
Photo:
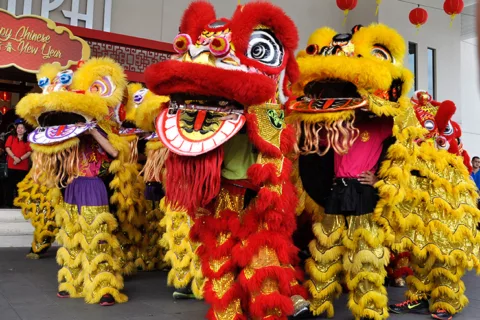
column 199, row 176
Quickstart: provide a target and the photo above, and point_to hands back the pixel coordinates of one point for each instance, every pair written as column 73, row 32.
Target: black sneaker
column 63, row 294
column 442, row 315
column 409, row 306
column 183, row 293
column 107, row 300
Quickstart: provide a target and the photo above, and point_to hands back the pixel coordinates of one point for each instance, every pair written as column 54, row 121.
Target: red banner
column 27, row 42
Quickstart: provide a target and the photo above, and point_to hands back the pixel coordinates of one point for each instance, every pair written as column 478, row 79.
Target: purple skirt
column 86, row 191
column 154, row 191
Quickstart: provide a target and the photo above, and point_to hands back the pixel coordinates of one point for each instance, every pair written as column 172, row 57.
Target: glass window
column 432, row 70
column 412, row 65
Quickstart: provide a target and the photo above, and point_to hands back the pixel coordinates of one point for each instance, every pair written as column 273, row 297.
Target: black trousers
column 10, row 184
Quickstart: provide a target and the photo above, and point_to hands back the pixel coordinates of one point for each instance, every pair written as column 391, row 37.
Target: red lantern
column 346, row 6
column 5, row 96
column 4, row 109
column 418, row 17
column 452, row 8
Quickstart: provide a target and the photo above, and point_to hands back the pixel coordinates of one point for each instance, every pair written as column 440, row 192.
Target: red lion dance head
column 223, row 68
column 436, row 117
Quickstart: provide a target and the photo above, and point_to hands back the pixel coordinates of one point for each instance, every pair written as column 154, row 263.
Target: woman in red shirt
column 18, row 151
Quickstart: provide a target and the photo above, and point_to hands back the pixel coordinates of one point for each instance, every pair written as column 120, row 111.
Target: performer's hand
column 82, row 124
column 367, row 177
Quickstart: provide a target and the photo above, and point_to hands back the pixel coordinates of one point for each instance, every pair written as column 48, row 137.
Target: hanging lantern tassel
column 378, row 7
column 346, row 6
column 452, row 17
column 345, row 13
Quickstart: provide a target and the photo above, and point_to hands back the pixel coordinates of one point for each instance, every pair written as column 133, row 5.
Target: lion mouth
column 218, row 105
column 56, row 127
column 54, row 118
column 329, row 95
column 196, row 124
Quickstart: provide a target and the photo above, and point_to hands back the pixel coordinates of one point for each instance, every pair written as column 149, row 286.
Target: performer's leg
column 419, row 285
column 448, row 290
column 70, row 254
column 176, row 241
column 266, row 255
column 152, row 254
column 216, row 233
column 365, row 262
column 198, row 280
column 325, row 266
column 101, row 261
column 399, row 268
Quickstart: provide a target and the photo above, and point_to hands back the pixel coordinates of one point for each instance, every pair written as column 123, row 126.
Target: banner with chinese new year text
column 27, row 42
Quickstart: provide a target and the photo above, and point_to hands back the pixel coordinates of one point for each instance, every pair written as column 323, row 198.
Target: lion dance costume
column 353, row 116
column 227, row 140
column 430, row 205
column 351, row 85
column 168, row 229
column 149, row 256
column 91, row 255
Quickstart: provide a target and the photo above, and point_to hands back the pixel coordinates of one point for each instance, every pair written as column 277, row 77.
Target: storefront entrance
column 27, row 42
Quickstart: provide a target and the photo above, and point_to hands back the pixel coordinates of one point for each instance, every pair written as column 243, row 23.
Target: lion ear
column 356, row 28
column 321, row 37
column 196, row 17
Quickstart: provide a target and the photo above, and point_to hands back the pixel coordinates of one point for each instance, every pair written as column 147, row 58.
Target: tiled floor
column 27, row 292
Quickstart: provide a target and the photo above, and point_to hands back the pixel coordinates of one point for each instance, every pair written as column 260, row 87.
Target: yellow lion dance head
column 344, row 75
column 92, row 95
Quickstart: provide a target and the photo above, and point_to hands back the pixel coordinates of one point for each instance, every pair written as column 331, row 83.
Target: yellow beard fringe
column 156, row 157
column 340, row 135
column 55, row 169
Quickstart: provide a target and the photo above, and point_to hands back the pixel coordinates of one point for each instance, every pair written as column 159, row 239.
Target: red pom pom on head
column 445, row 112
column 197, row 16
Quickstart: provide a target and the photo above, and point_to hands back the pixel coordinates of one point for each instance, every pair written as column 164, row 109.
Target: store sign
column 27, row 42
column 74, row 15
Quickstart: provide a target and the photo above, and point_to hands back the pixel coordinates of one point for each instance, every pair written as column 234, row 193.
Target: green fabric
column 239, row 155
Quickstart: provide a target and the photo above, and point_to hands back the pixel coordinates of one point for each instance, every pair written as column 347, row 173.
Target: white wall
column 437, row 34
column 160, row 19
column 470, row 102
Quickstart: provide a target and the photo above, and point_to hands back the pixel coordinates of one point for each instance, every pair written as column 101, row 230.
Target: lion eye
column 382, row 53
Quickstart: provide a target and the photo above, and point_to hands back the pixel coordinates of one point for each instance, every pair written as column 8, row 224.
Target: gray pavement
column 28, row 292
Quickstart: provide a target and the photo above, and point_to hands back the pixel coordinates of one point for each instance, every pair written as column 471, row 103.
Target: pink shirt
column 366, row 150
column 92, row 157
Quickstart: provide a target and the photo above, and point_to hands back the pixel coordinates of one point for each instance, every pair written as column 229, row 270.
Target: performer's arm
column 103, row 142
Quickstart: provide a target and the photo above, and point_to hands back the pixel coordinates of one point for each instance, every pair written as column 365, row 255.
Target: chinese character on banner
column 9, row 47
